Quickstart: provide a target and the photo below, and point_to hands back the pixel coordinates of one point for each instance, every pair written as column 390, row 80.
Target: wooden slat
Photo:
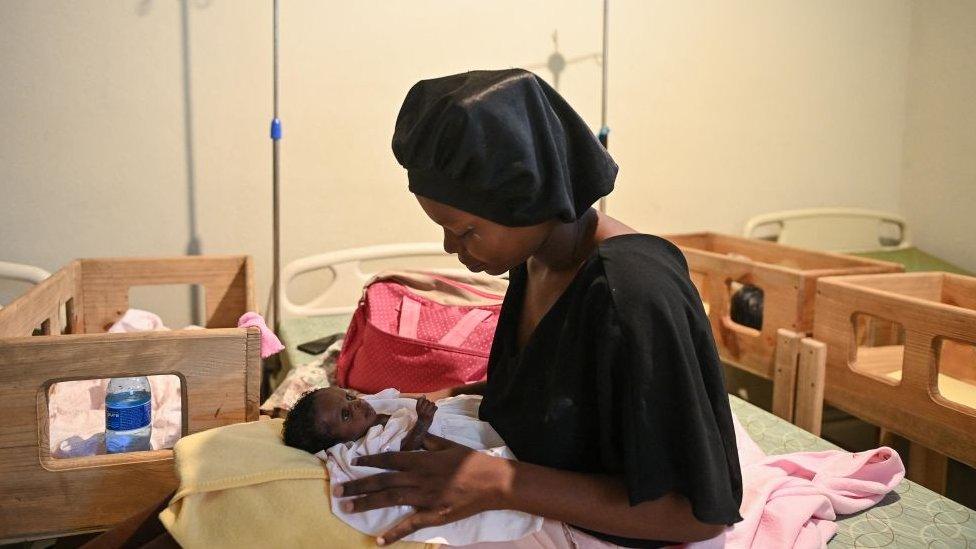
column 44, row 496
column 959, row 290
column 927, row 467
column 799, row 259
column 253, row 374
column 926, row 286
column 784, row 376
column 227, row 281
column 811, row 374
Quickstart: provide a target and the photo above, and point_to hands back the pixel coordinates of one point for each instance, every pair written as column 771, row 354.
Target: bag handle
column 460, row 332
column 455, row 337
column 409, row 317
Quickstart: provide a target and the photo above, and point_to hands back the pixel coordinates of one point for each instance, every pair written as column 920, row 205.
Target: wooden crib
column 788, row 278
column 218, row 368
column 915, row 373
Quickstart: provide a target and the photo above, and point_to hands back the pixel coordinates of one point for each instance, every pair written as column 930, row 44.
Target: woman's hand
column 447, row 483
column 477, row 388
column 433, row 395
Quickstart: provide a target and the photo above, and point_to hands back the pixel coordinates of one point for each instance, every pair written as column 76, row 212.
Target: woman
column 603, row 377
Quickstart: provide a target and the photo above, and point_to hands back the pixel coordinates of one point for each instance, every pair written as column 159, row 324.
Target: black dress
column 620, row 377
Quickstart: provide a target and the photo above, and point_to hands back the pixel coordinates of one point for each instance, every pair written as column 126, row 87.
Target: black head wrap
column 502, row 145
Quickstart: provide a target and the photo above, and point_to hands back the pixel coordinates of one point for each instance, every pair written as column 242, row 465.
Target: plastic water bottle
column 128, row 415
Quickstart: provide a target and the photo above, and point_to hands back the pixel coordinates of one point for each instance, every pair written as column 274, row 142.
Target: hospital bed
column 218, row 369
column 910, row 516
column 18, row 272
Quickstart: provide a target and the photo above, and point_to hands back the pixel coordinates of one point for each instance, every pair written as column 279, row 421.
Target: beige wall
column 726, row 110
column 939, row 188
column 719, row 111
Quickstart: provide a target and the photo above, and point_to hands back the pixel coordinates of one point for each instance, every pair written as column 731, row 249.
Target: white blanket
column 456, row 419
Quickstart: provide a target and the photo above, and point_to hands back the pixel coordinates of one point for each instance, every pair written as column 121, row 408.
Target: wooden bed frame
column 899, row 387
column 218, row 367
column 788, row 278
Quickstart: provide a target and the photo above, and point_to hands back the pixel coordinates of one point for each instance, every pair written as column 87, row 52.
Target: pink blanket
column 791, row 500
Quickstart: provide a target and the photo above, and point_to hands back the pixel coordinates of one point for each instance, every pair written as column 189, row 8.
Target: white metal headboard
column 832, row 229
column 22, row 273
column 348, row 274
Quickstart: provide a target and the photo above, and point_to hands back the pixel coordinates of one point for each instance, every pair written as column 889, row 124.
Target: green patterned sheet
column 911, row 516
column 915, row 260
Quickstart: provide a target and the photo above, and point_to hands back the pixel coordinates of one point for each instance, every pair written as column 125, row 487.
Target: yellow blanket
column 240, row 486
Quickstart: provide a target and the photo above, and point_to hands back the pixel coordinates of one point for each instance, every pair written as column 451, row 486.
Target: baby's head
column 325, row 417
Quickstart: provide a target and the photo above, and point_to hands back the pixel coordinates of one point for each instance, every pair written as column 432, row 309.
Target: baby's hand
column 425, row 410
column 425, row 416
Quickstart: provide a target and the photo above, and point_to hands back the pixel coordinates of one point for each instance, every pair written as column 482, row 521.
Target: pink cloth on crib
column 270, row 344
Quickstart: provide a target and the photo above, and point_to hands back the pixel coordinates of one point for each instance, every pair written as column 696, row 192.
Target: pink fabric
column 76, row 409
column 137, row 320
column 270, row 344
column 791, row 500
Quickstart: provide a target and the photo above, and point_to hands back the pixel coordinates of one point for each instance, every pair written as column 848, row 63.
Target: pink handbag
column 421, row 331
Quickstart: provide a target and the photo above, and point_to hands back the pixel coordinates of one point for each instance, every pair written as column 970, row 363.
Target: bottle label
column 127, row 418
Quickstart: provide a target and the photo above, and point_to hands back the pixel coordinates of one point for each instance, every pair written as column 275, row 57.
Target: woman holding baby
column 603, row 377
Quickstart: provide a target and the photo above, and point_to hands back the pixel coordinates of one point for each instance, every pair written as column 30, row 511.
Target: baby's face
column 344, row 416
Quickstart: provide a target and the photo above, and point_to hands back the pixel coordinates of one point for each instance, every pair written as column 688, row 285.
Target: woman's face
column 484, row 245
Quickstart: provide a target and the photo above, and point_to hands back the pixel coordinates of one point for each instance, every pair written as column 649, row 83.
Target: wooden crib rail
column 228, row 282
column 219, row 373
column 89, row 295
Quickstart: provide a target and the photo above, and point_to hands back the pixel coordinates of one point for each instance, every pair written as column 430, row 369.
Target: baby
column 338, row 427
column 325, row 417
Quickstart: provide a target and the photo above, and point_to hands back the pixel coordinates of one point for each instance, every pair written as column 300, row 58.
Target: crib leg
column 784, row 374
column 811, row 374
column 140, row 530
column 927, row 467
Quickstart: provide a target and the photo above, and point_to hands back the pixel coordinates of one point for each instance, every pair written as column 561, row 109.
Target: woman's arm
column 451, row 482
column 469, row 389
column 600, row 503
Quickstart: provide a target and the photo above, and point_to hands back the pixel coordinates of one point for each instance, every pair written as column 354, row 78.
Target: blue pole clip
column 604, row 134
column 276, row 129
